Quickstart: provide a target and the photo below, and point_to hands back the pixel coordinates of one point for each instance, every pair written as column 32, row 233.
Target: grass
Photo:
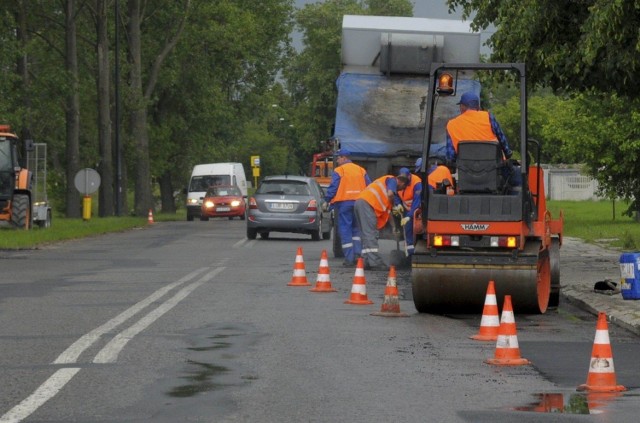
column 598, row 222
column 63, row 229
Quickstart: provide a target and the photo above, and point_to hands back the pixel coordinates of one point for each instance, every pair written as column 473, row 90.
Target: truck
column 22, row 190
column 381, row 100
column 209, row 174
column 399, row 86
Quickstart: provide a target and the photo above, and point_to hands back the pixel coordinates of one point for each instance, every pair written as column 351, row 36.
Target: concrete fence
column 569, row 184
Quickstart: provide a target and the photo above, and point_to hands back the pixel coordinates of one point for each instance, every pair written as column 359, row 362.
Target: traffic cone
column 299, row 277
column 150, row 217
column 359, row 287
column 391, row 304
column 602, row 374
column 507, row 349
column 490, row 322
column 323, row 282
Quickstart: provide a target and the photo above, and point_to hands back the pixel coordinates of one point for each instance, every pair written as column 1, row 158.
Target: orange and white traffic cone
column 299, row 277
column 391, row 304
column 602, row 374
column 507, row 349
column 490, row 322
column 359, row 287
column 323, row 281
column 150, row 217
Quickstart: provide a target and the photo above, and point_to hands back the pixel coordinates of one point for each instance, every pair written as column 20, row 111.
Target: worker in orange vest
column 437, row 173
column 347, row 182
column 372, row 209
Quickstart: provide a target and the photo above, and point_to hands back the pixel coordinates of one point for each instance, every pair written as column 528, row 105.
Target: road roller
column 496, row 227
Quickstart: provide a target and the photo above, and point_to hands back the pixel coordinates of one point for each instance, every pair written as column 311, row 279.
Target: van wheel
column 189, row 217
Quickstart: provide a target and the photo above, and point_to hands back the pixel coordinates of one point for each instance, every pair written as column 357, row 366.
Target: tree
column 567, row 44
column 589, row 47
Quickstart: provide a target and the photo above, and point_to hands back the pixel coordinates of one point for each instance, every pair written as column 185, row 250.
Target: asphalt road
column 189, row 321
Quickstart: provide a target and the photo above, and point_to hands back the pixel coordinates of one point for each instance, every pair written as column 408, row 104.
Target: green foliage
column 567, row 44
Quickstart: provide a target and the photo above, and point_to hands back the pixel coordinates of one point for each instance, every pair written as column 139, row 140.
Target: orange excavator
column 492, row 228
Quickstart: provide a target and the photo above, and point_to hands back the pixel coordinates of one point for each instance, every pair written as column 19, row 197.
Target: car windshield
column 284, row 188
column 202, row 183
column 222, row 191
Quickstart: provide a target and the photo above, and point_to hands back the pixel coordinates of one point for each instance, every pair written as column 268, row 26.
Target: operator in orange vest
column 347, row 182
column 474, row 124
column 372, row 209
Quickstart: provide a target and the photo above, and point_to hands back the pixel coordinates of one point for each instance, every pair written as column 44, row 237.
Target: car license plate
column 282, row 206
column 223, row 209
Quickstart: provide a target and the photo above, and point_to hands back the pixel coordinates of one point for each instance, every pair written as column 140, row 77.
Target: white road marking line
column 109, row 353
column 44, row 393
column 60, row 378
column 71, row 354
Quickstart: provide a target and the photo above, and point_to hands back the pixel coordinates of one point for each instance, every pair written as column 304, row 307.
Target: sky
column 435, row 9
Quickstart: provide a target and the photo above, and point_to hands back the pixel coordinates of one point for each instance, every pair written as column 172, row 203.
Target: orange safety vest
column 352, row 182
column 406, row 195
column 376, row 195
column 472, row 125
column 439, row 174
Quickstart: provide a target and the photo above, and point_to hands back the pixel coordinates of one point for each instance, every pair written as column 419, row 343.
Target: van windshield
column 204, row 182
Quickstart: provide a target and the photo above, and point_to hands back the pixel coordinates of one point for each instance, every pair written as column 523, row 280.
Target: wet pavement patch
column 212, row 360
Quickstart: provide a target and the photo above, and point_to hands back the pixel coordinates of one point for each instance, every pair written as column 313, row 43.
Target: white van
column 205, row 175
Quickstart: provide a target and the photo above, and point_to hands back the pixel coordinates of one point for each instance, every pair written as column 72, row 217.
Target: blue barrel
column 629, row 275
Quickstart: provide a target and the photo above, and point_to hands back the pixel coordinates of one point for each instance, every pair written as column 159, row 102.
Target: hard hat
column 343, row 152
column 470, row 99
column 404, row 173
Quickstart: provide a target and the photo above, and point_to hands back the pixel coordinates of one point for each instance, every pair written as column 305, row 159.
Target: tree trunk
column 168, row 202
column 138, row 116
column 106, row 199
column 72, row 111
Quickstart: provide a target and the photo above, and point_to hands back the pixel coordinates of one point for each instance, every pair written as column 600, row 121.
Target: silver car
column 288, row 204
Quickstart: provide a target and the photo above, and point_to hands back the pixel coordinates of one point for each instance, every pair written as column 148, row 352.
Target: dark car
column 288, row 204
column 223, row 201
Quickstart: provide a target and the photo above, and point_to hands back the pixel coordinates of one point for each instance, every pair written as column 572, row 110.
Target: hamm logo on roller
column 475, row 226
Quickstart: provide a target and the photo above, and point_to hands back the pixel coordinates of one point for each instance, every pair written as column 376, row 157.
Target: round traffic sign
column 87, row 181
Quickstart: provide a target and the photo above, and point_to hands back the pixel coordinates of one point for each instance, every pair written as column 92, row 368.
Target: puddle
column 577, row 403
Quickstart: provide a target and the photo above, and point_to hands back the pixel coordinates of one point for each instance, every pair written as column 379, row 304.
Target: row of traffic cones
column 390, row 306
column 601, row 377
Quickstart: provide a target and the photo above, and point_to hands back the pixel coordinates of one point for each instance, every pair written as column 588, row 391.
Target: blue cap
column 418, row 164
column 404, row 172
column 343, row 152
column 470, row 99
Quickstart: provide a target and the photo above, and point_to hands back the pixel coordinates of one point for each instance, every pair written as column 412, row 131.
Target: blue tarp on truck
column 379, row 115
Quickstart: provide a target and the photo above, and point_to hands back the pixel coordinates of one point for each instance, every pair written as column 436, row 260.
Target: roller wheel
column 554, row 258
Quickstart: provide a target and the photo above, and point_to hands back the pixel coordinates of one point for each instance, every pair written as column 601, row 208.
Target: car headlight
column 235, row 203
column 192, row 201
column 209, row 204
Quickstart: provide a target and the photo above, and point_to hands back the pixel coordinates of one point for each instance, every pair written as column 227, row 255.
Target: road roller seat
column 479, row 166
